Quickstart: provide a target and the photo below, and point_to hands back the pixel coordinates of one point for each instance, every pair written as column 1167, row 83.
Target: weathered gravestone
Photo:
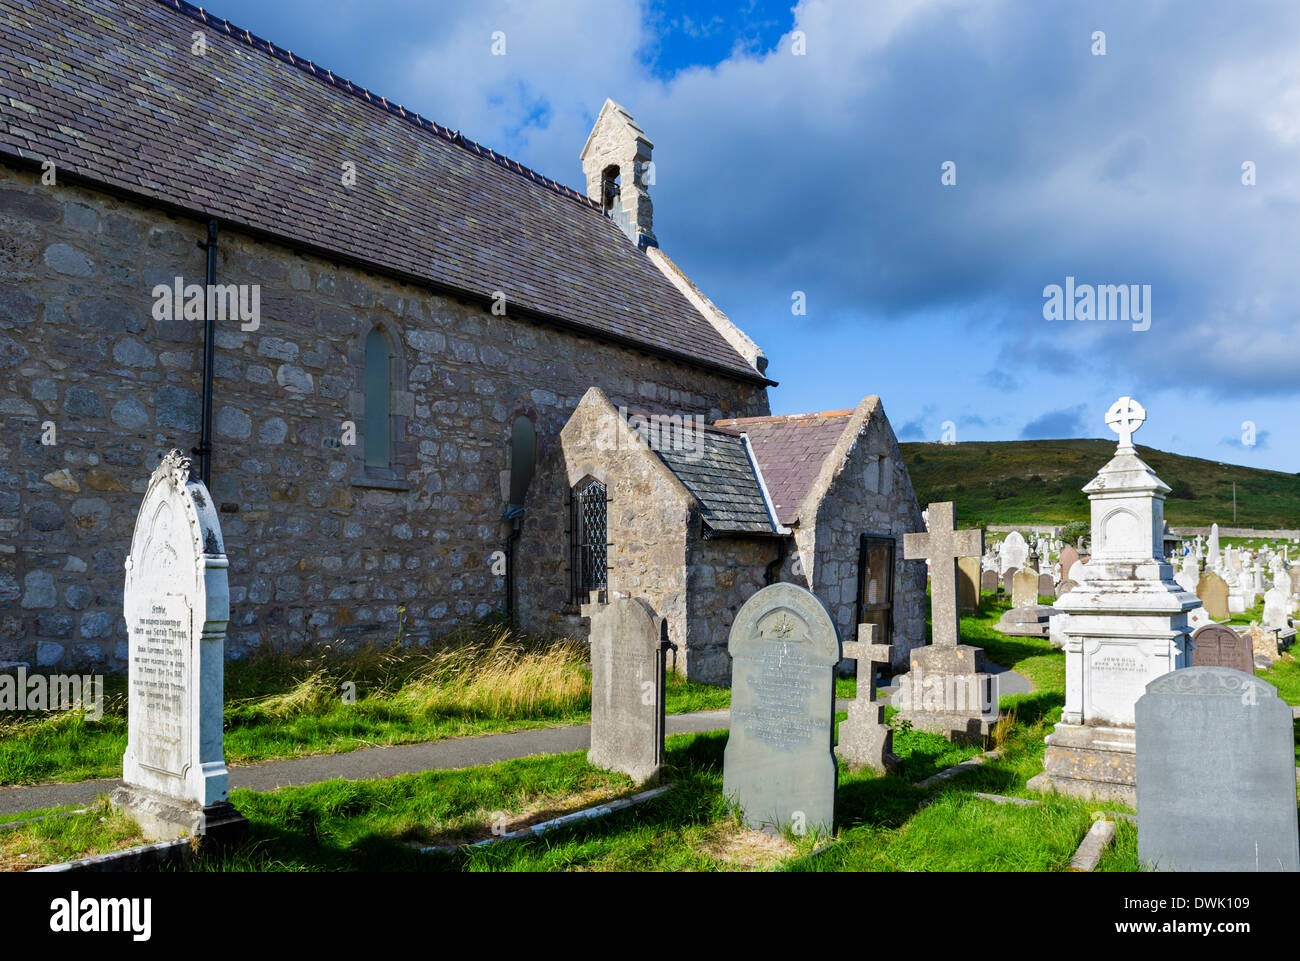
column 947, row 689
column 1213, row 592
column 968, row 585
column 989, row 581
column 177, row 604
column 1219, row 646
column 779, row 763
column 1024, row 588
column 1069, row 557
column 627, row 687
column 1009, row 579
column 1046, row 586
column 1216, row 779
column 865, row 739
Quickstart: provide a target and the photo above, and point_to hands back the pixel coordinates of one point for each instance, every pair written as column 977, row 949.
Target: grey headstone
column 627, row 688
column 1008, row 580
column 1046, row 586
column 779, row 764
column 1216, row 777
column 989, row 581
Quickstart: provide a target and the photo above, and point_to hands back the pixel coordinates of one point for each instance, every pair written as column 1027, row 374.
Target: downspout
column 515, row 523
column 204, row 450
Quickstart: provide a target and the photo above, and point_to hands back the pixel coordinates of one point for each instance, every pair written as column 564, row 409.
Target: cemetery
column 411, row 581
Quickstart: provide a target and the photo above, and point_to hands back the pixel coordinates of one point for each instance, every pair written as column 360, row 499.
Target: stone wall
column 320, row 547
column 723, row 573
column 854, row 504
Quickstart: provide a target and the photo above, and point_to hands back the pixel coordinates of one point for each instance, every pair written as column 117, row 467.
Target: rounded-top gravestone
column 779, row 764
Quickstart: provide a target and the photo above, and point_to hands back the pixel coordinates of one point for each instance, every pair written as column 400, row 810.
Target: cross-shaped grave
column 947, row 689
column 865, row 740
column 941, row 547
column 1124, row 417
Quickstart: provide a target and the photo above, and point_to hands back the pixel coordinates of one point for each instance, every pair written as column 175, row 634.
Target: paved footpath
column 381, row 762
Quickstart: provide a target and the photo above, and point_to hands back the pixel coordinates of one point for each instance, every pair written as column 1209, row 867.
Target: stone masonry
column 318, row 550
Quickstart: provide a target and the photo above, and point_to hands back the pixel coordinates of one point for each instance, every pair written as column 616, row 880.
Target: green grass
column 58, row 839
column 1014, row 482
column 289, row 704
column 883, row 823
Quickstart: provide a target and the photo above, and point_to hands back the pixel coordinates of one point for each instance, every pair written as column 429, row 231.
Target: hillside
column 1006, row 482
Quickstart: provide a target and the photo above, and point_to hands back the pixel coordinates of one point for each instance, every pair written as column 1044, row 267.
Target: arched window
column 589, row 541
column 378, row 400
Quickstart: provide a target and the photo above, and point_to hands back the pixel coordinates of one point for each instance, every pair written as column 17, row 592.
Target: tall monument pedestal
column 1126, row 624
column 948, row 692
column 1091, row 762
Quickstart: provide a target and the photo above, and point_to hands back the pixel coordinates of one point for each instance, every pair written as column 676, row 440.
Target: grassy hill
column 1039, row 481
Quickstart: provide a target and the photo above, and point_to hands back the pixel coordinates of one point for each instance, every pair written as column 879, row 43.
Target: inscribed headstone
column 1216, row 778
column 779, row 763
column 177, row 603
column 627, row 688
column 1220, row 646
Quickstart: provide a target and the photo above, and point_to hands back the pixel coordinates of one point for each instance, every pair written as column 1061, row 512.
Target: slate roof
column 713, row 465
column 256, row 136
column 790, row 451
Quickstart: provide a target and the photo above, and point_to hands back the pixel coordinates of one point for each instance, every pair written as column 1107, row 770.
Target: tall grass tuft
column 487, row 671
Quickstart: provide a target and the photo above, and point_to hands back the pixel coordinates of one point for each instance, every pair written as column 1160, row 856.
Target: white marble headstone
column 176, row 604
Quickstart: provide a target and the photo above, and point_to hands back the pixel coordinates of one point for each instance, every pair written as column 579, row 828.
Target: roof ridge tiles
column 284, row 55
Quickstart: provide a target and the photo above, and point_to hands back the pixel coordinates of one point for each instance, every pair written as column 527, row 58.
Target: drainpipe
column 515, row 515
column 204, row 450
column 772, row 573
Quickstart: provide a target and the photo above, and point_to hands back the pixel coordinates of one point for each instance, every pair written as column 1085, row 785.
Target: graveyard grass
column 883, row 823
column 55, row 839
column 285, row 704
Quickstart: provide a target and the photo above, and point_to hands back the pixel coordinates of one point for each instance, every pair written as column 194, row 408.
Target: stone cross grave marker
column 947, row 689
column 1213, row 592
column 941, row 546
column 176, row 602
column 1220, row 646
column 779, row 763
column 865, row 739
column 628, row 643
column 1216, row 779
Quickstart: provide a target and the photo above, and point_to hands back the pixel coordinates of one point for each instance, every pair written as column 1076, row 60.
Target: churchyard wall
column 321, row 548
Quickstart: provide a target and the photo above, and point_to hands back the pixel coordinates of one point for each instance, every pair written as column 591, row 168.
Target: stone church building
column 426, row 383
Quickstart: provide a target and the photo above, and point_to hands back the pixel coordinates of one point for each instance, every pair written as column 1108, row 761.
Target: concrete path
column 381, row 762
column 372, row 762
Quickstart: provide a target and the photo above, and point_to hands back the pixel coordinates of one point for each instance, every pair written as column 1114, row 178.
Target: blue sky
column 821, row 173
